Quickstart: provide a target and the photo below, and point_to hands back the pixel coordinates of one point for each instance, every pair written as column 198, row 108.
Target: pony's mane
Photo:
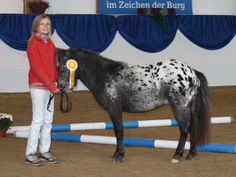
column 97, row 56
column 88, row 52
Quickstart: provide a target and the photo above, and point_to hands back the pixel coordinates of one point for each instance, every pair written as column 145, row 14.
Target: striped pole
column 137, row 142
column 109, row 125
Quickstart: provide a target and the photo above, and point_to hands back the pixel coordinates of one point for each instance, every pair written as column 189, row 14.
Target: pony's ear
column 59, row 51
column 73, row 50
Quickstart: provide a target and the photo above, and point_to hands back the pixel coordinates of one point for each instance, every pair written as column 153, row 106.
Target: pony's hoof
column 175, row 161
column 191, row 156
column 118, row 158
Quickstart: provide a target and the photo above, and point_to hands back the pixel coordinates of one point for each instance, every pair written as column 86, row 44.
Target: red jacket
column 43, row 70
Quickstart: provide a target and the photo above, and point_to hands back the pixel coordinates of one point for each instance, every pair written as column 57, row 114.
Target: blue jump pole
column 139, row 142
column 109, row 125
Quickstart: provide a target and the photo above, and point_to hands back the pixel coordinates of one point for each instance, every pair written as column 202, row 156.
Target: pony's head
column 67, row 67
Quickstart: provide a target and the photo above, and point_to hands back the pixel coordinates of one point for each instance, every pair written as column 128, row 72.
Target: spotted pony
column 119, row 87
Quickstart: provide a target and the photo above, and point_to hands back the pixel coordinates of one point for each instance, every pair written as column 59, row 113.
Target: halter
column 71, row 65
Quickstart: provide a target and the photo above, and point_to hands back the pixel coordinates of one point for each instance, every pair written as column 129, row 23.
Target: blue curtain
column 94, row 32
column 146, row 32
column 15, row 29
column 208, row 31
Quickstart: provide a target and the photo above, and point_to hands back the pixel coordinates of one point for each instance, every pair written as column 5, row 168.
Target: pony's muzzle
column 61, row 87
column 64, row 88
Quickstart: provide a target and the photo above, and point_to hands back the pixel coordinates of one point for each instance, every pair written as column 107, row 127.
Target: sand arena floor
column 93, row 160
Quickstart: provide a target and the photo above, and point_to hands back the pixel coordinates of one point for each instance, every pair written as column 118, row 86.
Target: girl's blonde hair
column 36, row 24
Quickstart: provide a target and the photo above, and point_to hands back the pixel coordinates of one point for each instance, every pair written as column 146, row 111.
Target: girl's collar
column 42, row 37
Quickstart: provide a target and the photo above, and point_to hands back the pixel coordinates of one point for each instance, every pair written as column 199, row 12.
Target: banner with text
column 131, row 6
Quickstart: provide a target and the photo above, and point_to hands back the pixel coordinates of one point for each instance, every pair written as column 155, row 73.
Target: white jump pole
column 138, row 142
column 109, row 125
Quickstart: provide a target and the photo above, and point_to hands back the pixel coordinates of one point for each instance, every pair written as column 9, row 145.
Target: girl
column 42, row 82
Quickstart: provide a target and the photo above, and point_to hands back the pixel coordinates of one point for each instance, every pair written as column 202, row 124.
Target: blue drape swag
column 96, row 32
column 147, row 33
column 15, row 29
column 209, row 32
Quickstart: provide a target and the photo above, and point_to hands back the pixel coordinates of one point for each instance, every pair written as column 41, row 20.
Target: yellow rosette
column 72, row 66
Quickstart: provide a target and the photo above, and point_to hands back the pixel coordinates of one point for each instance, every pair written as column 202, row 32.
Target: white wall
column 11, row 6
column 222, row 7
column 74, row 7
column 218, row 65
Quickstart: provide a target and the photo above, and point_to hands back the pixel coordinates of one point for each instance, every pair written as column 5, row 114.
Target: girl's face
column 44, row 26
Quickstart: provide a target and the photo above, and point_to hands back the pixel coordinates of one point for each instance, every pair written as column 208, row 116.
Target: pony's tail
column 201, row 119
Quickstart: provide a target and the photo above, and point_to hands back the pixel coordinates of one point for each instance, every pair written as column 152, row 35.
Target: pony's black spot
column 176, row 101
column 164, row 67
column 181, row 91
column 159, row 63
column 174, row 82
column 190, row 81
column 176, row 67
column 183, row 71
column 174, row 61
column 150, row 81
column 139, row 89
column 180, row 78
column 172, row 64
column 145, row 74
column 190, row 69
column 144, row 85
column 147, row 70
column 151, row 66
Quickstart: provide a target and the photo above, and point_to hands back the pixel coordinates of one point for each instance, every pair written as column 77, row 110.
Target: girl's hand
column 57, row 91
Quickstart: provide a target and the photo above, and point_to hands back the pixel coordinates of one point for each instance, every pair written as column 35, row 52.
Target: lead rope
column 68, row 103
column 63, row 109
column 49, row 101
